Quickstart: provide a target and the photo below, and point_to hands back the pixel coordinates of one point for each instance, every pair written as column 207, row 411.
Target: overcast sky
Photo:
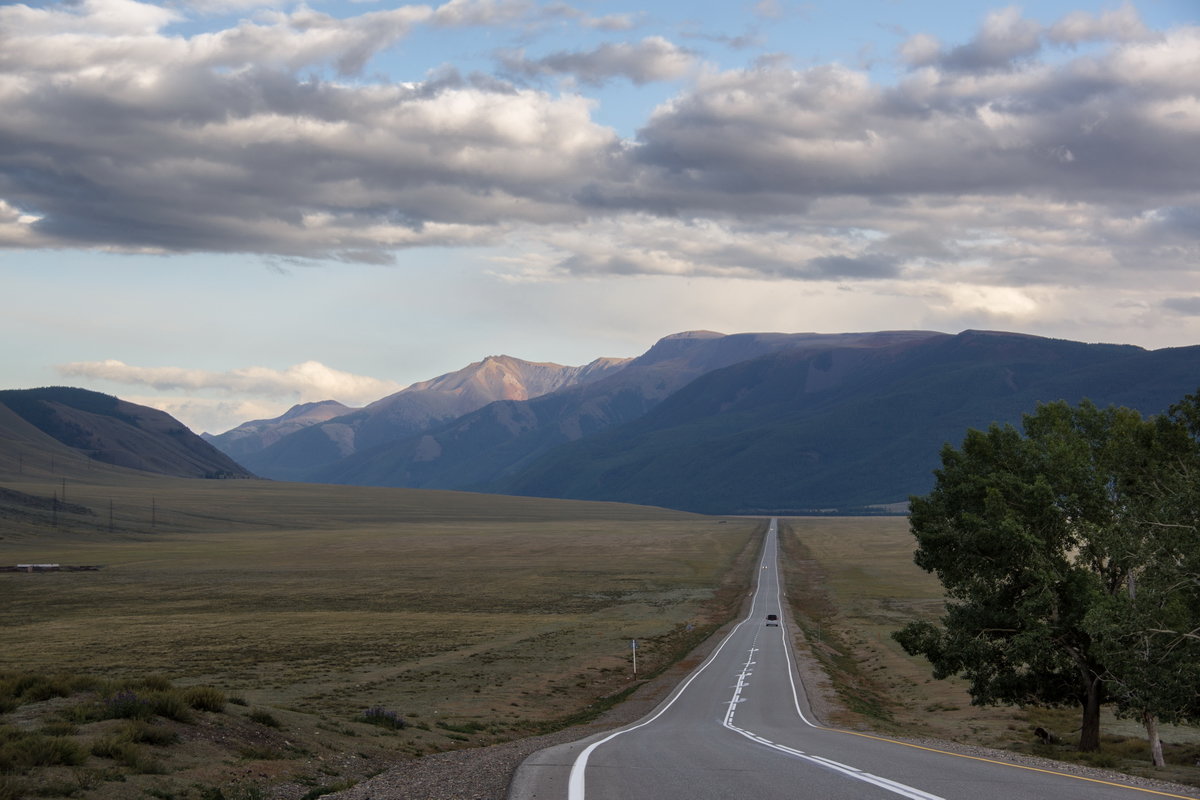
column 225, row 207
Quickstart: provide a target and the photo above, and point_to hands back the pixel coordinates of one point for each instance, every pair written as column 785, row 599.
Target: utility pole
column 633, row 647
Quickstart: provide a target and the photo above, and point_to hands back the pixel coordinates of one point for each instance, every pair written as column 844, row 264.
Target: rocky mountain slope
column 306, row 453
column 500, row 439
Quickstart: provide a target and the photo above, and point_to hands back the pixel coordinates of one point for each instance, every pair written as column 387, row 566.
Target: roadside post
column 633, row 649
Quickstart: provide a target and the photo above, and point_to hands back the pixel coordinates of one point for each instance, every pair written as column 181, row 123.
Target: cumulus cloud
column 652, row 59
column 463, row 13
column 986, row 164
column 306, row 382
column 1119, row 24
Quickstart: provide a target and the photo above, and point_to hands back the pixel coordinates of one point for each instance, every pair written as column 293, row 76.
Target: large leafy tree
column 1031, row 533
column 1146, row 636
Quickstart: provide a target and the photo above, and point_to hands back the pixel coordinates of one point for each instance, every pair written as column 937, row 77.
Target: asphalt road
column 739, row 727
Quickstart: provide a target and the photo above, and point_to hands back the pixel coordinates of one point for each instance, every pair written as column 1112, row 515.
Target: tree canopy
column 1068, row 553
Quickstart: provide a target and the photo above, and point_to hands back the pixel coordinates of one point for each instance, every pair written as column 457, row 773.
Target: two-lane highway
column 739, row 727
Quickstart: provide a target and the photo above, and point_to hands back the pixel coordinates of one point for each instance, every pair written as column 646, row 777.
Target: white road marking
column 576, row 781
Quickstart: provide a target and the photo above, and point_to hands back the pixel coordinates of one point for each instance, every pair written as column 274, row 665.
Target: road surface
column 739, row 727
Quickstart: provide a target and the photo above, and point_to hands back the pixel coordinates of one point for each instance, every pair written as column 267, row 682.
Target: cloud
column 652, row 59
column 1119, row 24
column 305, row 382
column 464, row 13
column 1185, row 306
column 985, row 164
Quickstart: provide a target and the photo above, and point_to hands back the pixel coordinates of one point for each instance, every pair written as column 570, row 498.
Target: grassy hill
column 113, row 431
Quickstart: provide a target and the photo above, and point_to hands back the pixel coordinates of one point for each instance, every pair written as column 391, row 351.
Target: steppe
column 472, row 618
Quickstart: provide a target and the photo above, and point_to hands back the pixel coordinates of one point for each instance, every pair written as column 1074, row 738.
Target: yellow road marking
column 1015, row 766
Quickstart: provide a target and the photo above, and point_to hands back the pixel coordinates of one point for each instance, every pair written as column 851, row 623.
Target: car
column 773, row 619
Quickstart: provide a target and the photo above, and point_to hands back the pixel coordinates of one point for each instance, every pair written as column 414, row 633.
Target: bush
column 205, row 698
column 263, row 718
column 378, row 715
column 20, row 750
column 144, row 733
column 126, row 704
column 19, row 688
column 171, row 704
column 126, row 753
column 59, row 728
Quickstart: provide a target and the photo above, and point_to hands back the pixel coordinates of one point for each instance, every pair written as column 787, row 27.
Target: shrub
column 126, row 704
column 171, row 704
column 21, row 750
column 263, row 718
column 126, row 753
column 144, row 733
column 59, row 728
column 205, row 698
column 156, row 683
column 378, row 715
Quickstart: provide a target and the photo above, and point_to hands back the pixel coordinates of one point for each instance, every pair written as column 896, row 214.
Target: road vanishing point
column 739, row 727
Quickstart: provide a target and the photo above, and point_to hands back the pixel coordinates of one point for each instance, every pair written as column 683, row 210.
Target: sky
column 221, row 208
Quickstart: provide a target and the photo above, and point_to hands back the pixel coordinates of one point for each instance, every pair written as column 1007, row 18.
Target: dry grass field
column 473, row 618
column 852, row 582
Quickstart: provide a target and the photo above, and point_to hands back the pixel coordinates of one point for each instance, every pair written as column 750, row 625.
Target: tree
column 1146, row 635
column 1030, row 533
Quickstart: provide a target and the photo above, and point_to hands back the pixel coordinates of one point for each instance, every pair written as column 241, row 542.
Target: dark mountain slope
column 113, row 431
column 501, row 438
column 843, row 429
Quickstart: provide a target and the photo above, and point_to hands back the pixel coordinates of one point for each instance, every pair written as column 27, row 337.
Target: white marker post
column 633, row 647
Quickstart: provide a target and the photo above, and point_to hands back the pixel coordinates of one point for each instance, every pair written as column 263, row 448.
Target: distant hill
column 116, row 432
column 305, row 453
column 252, row 437
column 484, row 447
column 842, row 429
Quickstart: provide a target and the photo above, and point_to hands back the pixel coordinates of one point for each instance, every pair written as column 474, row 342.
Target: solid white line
column 853, row 772
column 575, row 784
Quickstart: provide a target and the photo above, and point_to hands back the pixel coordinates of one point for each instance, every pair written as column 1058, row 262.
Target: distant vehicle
column 773, row 619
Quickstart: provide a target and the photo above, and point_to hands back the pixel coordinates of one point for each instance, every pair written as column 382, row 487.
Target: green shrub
column 205, row 698
column 20, row 750
column 263, row 718
column 126, row 753
column 59, row 728
column 170, row 704
column 144, row 733
column 155, row 683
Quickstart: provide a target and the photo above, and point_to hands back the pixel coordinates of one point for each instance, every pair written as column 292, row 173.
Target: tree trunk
column 1089, row 733
column 1156, row 755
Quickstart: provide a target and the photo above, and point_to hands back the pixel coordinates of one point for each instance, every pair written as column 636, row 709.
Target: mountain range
column 781, row 423
column 742, row 423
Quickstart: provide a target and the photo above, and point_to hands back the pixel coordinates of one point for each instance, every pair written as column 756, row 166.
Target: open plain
column 471, row 618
